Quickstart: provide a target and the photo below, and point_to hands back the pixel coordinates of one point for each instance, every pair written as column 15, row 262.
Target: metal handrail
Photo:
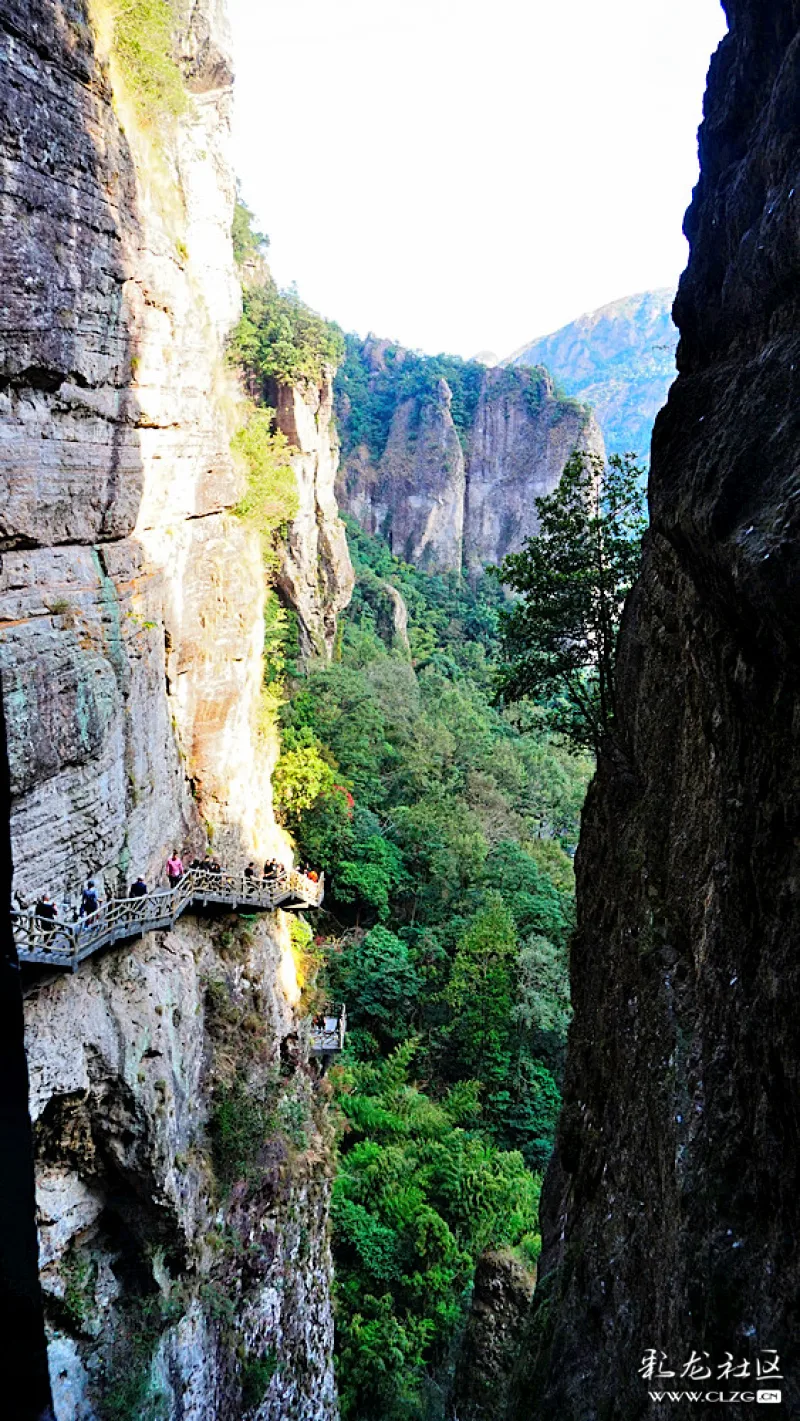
column 60, row 944
column 330, row 1038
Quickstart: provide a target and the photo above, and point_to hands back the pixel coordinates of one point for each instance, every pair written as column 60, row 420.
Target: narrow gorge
column 273, row 595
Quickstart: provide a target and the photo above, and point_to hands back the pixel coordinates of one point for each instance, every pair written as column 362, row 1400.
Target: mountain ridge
column 618, row 358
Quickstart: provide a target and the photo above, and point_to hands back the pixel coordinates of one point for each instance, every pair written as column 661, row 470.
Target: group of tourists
column 47, row 909
column 273, row 869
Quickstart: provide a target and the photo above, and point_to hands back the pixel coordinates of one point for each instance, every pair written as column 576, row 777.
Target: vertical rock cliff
column 131, row 649
column 451, row 480
column 182, row 1183
column 521, row 437
column 316, row 575
column 130, row 599
column 671, row 1207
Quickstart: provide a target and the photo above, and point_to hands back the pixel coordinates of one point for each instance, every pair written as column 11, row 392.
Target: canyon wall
column 130, row 597
column 131, row 652
column 671, row 1216
column 177, row 1281
column 455, row 490
column 316, row 575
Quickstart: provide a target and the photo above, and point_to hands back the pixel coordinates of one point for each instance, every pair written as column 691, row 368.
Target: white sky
column 465, row 175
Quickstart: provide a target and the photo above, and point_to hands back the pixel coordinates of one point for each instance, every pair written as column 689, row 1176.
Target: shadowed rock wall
column 671, row 1210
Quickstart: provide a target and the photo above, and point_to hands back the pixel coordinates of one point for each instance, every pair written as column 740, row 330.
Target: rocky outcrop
column 172, row 1273
column 415, row 497
column 455, row 496
column 316, row 575
column 501, row 1300
column 671, row 1209
column 521, row 438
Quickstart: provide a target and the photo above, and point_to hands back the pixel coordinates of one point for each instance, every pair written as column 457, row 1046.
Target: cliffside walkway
column 58, row 944
column 52, row 943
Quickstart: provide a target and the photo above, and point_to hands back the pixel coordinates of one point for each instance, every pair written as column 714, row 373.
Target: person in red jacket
column 174, row 868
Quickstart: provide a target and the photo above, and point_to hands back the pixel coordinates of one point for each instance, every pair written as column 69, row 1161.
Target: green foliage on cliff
column 271, row 498
column 418, row 1196
column 369, row 389
column 279, row 338
column 445, row 830
column 142, row 44
column 248, row 244
column 571, row 580
column 375, row 378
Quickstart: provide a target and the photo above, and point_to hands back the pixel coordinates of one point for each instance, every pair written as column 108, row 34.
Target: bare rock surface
column 517, row 449
column 316, row 574
column 138, row 1237
column 670, row 1211
column 501, row 1301
column 130, row 598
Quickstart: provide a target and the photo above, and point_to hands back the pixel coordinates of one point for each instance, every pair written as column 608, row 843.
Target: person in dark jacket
column 139, row 888
column 89, row 900
column 46, row 908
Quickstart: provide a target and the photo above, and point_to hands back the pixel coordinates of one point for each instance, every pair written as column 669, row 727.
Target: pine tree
column 572, row 578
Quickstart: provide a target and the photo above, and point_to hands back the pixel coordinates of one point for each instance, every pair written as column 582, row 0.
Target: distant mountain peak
column 620, row 359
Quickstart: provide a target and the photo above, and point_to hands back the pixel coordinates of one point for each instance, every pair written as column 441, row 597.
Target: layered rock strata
column 131, row 652
column 671, row 1209
column 130, row 598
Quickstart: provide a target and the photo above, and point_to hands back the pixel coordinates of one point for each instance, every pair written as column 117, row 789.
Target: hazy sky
column 465, row 175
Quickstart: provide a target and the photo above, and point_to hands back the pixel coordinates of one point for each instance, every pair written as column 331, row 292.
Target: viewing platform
column 49, row 942
column 328, row 1035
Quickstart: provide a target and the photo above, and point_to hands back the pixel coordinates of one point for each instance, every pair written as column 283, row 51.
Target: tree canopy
column 571, row 580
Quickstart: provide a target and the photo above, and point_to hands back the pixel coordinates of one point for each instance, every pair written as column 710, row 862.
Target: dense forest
column 445, row 827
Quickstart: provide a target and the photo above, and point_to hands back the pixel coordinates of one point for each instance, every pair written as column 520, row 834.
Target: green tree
column 480, row 992
column 416, row 1199
column 279, row 338
column 270, row 499
column 373, row 874
column 301, row 775
column 377, row 978
column 248, row 244
column 571, row 579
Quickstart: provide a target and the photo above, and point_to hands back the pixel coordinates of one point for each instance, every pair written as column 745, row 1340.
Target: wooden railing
column 61, row 944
